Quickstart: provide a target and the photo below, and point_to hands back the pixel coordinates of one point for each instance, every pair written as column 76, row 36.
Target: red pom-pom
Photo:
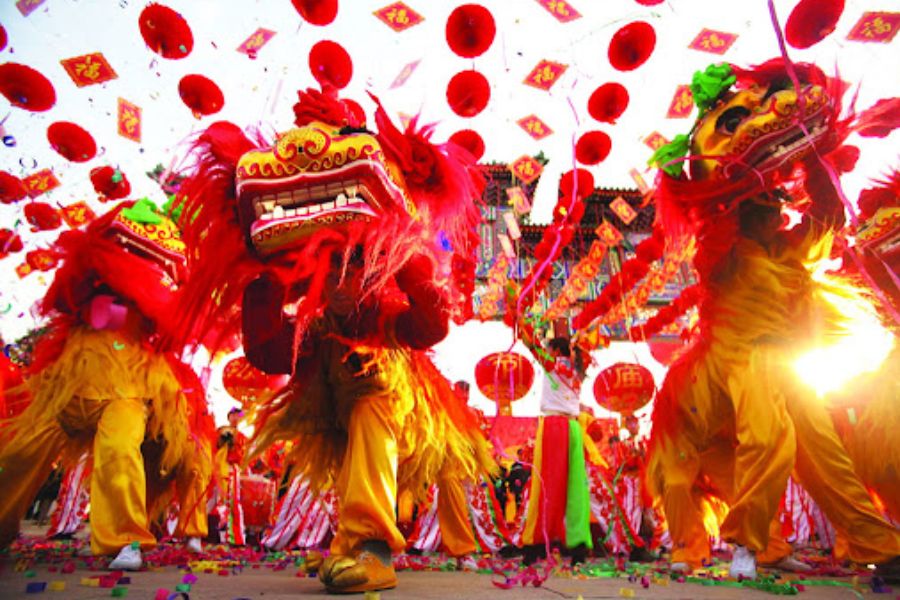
column 470, row 30
column 585, row 183
column 811, row 21
column 592, row 147
column 316, row 12
column 11, row 188
column 470, row 140
column 110, row 182
column 9, row 242
column 631, row 46
column 357, row 115
column 165, row 31
column 71, row 141
column 201, row 95
column 608, row 102
column 542, row 250
column 26, row 88
column 42, row 216
column 468, row 93
column 330, row 65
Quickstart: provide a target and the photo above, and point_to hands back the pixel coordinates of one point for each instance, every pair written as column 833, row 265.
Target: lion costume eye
column 729, row 120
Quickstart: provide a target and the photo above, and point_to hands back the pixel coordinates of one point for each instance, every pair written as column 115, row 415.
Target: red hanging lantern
column 608, row 102
column 330, row 65
column 9, row 242
column 71, row 141
column 26, row 88
column 165, row 31
column 470, row 140
column 247, row 384
column 3, row 38
column 11, row 188
column 631, row 46
column 592, row 147
column 624, row 387
column 468, row 93
column 110, row 183
column 811, row 21
column 316, row 12
column 201, row 95
column 42, row 216
column 504, row 377
column 568, row 182
column 470, row 30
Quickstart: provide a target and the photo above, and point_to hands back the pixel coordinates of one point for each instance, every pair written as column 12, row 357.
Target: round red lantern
column 624, row 387
column 504, row 376
column 247, row 384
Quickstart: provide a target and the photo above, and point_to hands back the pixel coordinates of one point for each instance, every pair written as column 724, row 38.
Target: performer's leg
column 192, row 484
column 453, row 516
column 531, row 531
column 679, row 466
column 826, row 472
column 764, row 455
column 25, row 464
column 367, row 482
column 578, row 502
column 118, row 485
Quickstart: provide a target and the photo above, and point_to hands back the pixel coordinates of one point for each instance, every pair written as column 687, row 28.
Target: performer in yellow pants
column 453, row 517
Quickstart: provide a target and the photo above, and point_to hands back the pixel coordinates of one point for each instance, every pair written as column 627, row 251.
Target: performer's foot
column 194, row 545
column 368, row 571
column 889, row 571
column 680, row 567
column 466, row 563
column 313, row 561
column 128, row 559
column 743, row 563
column 791, row 564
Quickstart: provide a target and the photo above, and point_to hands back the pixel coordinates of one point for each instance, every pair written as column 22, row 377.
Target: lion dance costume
column 98, row 386
column 346, row 253
column 732, row 418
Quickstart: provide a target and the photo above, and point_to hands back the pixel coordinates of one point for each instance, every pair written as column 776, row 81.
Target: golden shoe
column 313, row 561
column 349, row 575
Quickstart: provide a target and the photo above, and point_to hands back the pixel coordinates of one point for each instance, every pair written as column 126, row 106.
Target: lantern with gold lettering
column 624, row 387
column 504, row 377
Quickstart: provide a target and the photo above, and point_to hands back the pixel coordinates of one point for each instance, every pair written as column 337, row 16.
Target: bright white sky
column 262, row 91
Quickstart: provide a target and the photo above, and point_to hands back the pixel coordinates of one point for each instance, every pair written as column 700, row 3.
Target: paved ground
column 229, row 574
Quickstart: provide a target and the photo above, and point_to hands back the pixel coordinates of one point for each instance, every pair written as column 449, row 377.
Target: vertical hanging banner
column 129, row 120
column 682, row 104
column 517, row 198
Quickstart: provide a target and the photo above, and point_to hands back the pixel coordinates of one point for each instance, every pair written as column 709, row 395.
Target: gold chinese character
column 876, row 26
column 559, row 7
column 88, row 69
column 256, row 41
column 628, row 377
column 129, row 120
column 398, row 15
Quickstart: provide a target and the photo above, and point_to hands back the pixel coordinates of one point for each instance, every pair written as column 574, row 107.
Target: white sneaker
column 193, row 545
column 129, row 559
column 743, row 563
column 466, row 563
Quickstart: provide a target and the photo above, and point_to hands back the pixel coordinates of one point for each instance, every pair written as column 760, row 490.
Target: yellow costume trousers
column 824, row 468
column 764, row 455
column 118, row 485
column 366, row 485
column 453, row 517
column 192, row 485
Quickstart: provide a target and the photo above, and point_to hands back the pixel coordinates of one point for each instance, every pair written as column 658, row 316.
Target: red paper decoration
column 330, row 65
column 26, row 88
column 504, row 376
column 42, row 216
column 470, row 30
column 3, row 38
column 71, row 141
column 470, row 140
column 201, row 95
column 468, row 93
column 316, row 12
column 11, row 188
column 608, row 102
column 631, row 46
column 165, row 31
column 811, row 21
column 624, row 387
column 110, row 182
column 592, row 147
